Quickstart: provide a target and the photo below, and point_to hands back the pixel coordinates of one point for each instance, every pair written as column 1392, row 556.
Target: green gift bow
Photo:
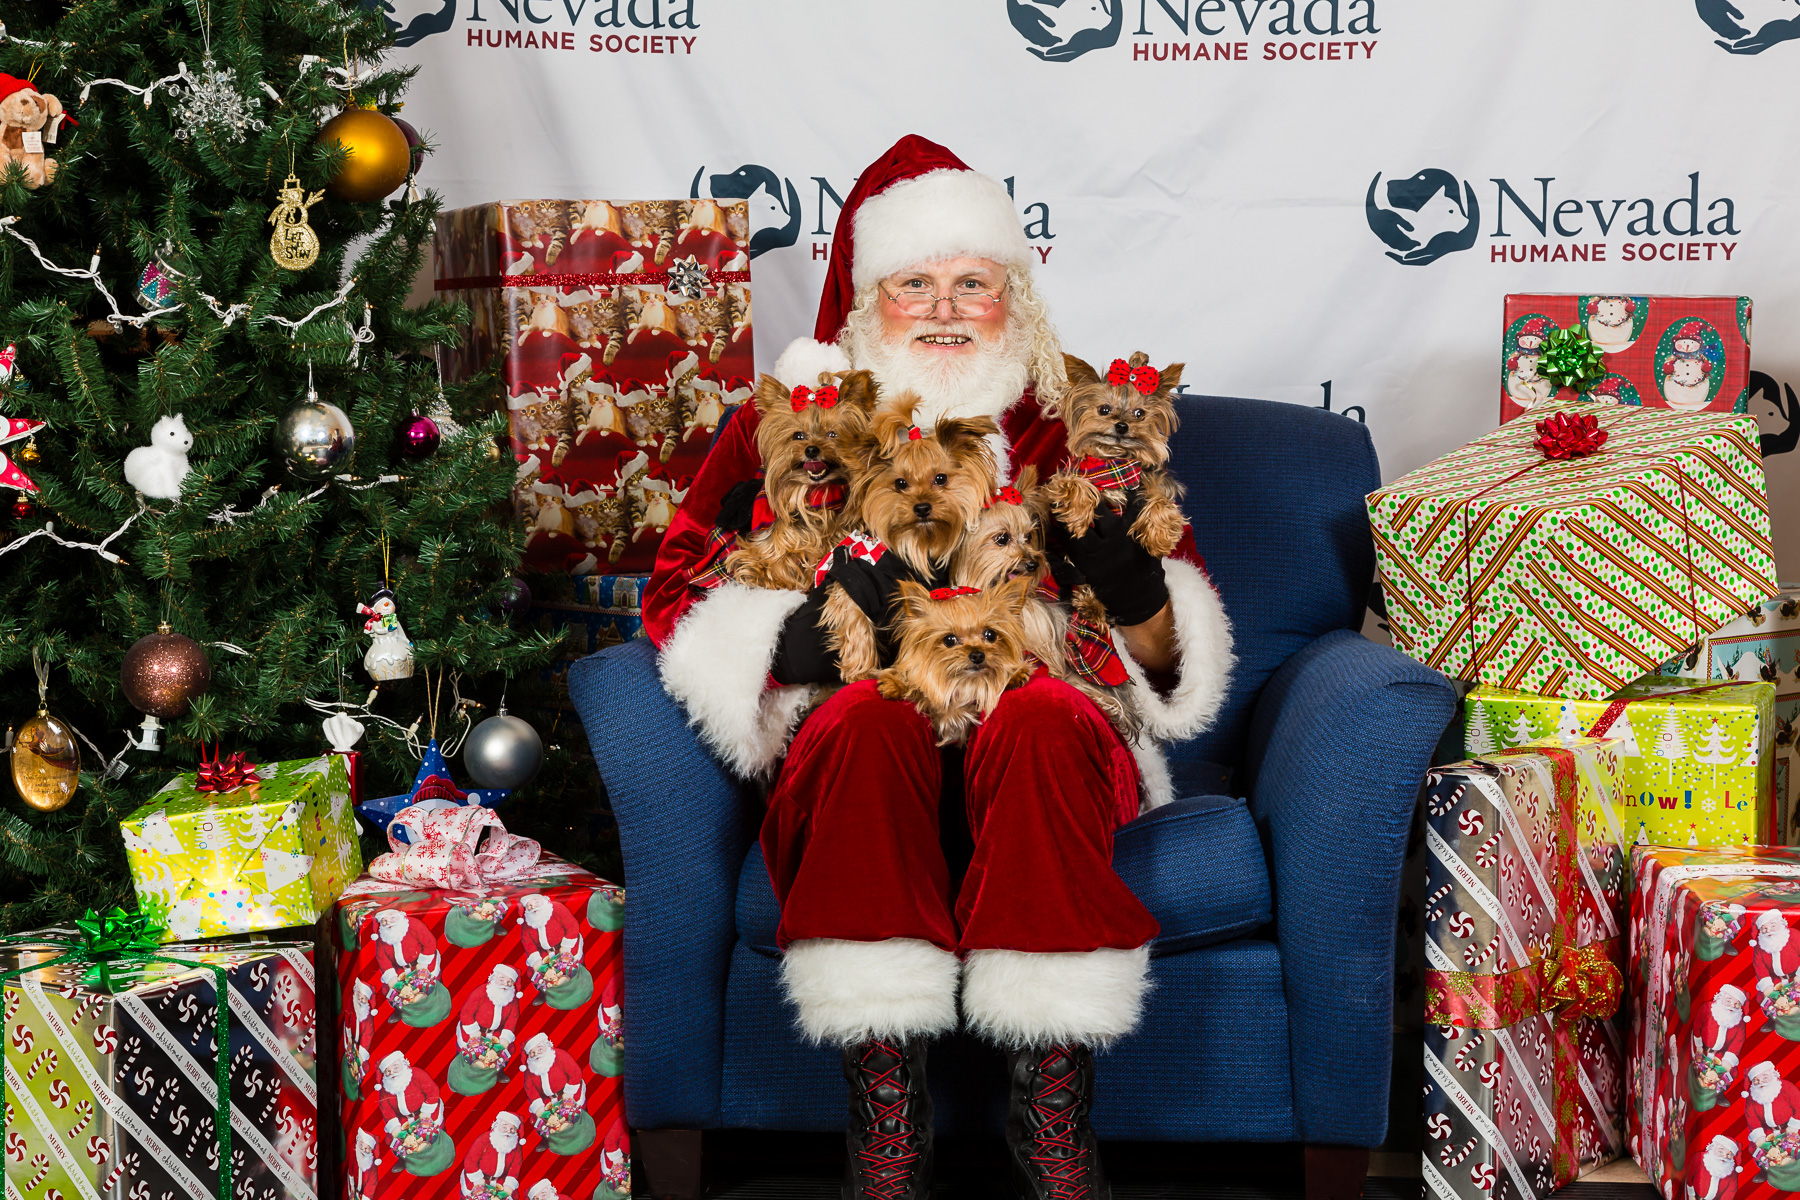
column 1569, row 358
column 119, row 936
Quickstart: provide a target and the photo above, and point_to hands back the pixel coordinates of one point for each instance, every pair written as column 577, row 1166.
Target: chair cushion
column 1197, row 865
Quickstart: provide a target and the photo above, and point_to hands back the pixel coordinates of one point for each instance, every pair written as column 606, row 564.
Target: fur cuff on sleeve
column 804, row 358
column 1203, row 639
column 716, row 664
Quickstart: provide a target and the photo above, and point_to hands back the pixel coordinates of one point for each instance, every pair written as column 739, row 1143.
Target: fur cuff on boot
column 854, row 992
column 1016, row 999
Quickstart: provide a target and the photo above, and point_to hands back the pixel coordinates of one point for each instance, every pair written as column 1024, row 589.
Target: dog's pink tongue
column 815, row 466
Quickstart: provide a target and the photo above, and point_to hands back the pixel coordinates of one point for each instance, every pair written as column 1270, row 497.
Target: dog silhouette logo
column 774, row 212
column 1750, row 26
column 412, row 21
column 1424, row 217
column 1060, row 30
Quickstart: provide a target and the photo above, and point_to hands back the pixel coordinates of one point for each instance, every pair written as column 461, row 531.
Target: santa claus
column 930, row 287
column 494, row 1160
column 1720, row 1028
column 1771, row 1105
column 365, row 1178
column 550, row 930
column 408, row 1097
column 543, row 1189
column 1777, row 954
column 1714, row 1175
column 359, row 1027
column 551, row 1075
column 492, row 1012
column 404, row 945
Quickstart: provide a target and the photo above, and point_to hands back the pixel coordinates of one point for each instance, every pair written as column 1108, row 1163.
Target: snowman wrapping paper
column 1715, row 1021
column 110, row 1092
column 1685, row 353
column 1697, row 762
column 624, row 335
column 475, row 1042
column 269, row 854
column 1524, row 933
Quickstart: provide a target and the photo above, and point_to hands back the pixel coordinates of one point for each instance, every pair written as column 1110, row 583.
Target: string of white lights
column 49, row 531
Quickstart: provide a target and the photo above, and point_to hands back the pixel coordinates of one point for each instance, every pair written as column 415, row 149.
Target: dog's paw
column 1158, row 528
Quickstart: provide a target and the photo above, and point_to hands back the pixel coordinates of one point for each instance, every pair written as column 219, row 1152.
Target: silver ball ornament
column 503, row 752
column 315, row 438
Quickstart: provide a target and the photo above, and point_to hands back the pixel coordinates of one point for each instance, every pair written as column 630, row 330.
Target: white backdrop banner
column 1315, row 201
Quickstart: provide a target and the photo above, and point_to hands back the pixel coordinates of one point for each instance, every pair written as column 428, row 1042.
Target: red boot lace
column 887, row 1160
column 1061, row 1162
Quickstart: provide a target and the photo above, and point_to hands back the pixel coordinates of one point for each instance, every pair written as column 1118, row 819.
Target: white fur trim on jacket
column 1156, row 787
column 716, row 664
column 940, row 214
column 1203, row 639
column 804, row 358
column 1018, row 999
column 850, row 992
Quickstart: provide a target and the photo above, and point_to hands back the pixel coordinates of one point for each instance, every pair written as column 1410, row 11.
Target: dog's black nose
column 1030, row 564
column 921, row 511
column 812, row 452
column 1121, row 428
column 977, row 657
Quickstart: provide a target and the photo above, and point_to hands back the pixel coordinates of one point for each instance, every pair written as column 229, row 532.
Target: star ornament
column 11, row 430
column 433, row 788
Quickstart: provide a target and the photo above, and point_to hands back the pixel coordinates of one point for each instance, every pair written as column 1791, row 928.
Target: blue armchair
column 1275, row 878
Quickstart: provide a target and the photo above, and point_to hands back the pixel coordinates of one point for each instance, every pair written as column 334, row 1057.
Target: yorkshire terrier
column 1119, row 430
column 960, row 649
column 915, row 494
column 808, row 439
column 1007, row 542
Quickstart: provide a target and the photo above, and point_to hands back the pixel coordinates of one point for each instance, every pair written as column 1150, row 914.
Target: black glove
column 801, row 655
column 874, row 586
column 1126, row 578
column 736, row 509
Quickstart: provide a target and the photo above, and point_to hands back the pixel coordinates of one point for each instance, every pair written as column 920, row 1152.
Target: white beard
column 1775, row 941
column 503, row 1140
column 501, row 995
column 541, row 1064
column 1727, row 1017
column 396, row 1084
column 1762, row 1093
column 984, row 384
column 1718, row 1165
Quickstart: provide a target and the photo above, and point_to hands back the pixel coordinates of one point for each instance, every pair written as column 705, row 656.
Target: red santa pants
column 852, row 839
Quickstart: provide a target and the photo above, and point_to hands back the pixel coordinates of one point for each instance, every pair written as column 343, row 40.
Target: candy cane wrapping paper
column 1575, row 577
column 132, row 1077
column 1523, row 1054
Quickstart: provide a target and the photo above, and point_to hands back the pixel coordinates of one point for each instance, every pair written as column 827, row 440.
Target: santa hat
column 395, row 1061
column 1535, row 327
column 1695, row 330
column 917, row 203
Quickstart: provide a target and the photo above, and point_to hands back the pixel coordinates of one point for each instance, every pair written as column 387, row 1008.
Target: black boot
column 889, row 1135
column 1052, row 1153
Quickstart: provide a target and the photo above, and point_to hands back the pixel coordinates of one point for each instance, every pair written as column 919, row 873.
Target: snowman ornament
column 390, row 655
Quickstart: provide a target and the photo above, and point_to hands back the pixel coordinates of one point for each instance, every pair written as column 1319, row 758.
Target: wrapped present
column 1762, row 644
column 236, row 847
column 476, row 1040
column 1524, row 1082
column 114, row 1083
column 614, row 593
column 623, row 331
column 1696, row 760
column 1574, row 559
column 1715, row 1015
column 1686, row 353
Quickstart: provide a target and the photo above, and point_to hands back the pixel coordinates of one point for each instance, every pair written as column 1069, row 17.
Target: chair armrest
column 683, row 829
column 1339, row 744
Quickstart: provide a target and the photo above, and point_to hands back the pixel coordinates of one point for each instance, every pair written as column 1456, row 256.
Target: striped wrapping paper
column 1572, row 578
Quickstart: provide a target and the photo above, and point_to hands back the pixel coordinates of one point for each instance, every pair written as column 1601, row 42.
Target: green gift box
column 1695, row 760
column 272, row 853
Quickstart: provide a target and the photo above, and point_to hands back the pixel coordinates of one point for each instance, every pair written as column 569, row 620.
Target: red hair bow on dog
column 1119, row 374
column 1146, row 379
column 825, row 397
column 913, row 434
column 953, row 593
column 1563, row 436
column 1006, row 495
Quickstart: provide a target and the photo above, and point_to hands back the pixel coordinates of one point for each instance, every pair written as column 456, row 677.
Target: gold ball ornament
column 163, row 671
column 46, row 762
column 379, row 156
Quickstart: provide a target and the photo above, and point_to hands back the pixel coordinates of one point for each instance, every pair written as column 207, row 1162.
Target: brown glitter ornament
column 162, row 673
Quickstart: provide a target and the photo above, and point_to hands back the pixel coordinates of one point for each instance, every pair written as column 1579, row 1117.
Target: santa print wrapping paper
column 618, row 364
column 1687, row 353
column 1761, row 645
column 1715, row 1021
column 1696, row 760
column 1524, row 919
column 109, row 1078
column 477, row 1046
column 1573, row 577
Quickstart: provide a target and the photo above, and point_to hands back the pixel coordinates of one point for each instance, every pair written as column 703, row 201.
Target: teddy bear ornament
column 29, row 121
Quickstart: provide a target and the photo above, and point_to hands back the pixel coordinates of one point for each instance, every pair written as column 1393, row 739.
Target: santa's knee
column 1044, row 712
column 858, row 713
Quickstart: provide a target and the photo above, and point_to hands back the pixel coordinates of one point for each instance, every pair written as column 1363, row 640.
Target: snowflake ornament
column 213, row 102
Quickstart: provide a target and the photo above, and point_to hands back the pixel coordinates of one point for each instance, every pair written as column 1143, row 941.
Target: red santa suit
column 419, row 1097
column 1774, row 1113
column 556, row 1079
column 851, row 832
column 1713, row 1175
column 559, row 932
column 1782, row 962
column 416, row 947
column 480, row 1014
column 1717, row 1038
column 365, row 1176
column 488, row 1160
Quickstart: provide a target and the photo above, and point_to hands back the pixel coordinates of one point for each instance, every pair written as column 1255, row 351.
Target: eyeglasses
column 920, row 302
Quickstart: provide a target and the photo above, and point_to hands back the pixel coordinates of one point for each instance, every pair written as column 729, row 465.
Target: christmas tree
column 1523, row 729
column 140, row 285
column 1478, row 735
column 1712, row 750
column 1670, row 744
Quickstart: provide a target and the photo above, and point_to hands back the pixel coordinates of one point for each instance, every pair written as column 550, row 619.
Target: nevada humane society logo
column 1199, row 31
column 597, row 26
column 1432, row 213
column 1750, row 26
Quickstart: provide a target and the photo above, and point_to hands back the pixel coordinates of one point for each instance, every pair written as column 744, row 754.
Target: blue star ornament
column 432, row 788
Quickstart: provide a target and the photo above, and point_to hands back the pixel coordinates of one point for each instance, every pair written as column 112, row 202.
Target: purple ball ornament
column 515, row 597
column 414, row 143
column 418, row 437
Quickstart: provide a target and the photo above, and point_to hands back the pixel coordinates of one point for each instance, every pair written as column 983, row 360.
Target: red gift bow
column 1006, row 495
column 444, row 854
column 1145, row 379
column 1562, row 436
column 825, row 397
column 953, row 593
column 225, row 775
